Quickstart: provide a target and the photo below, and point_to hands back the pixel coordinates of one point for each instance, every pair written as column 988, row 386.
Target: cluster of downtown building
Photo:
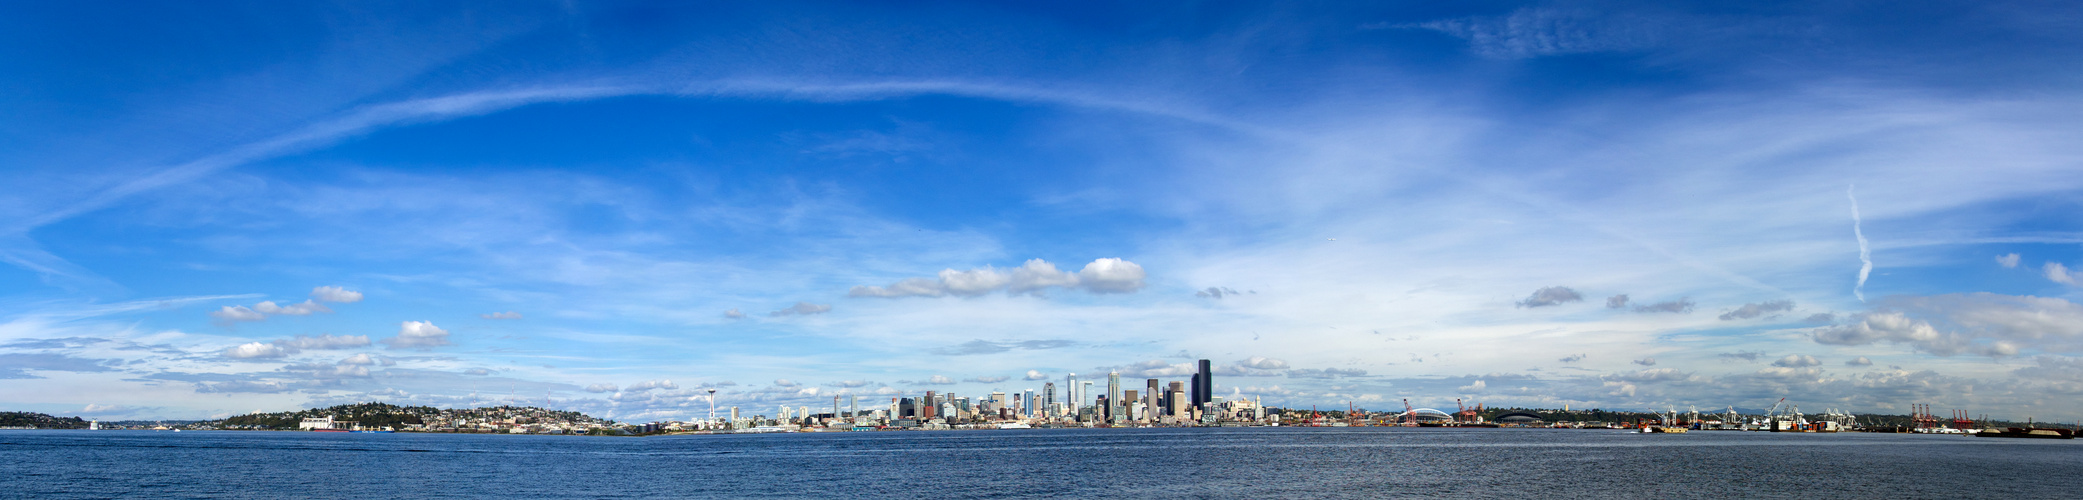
column 1074, row 404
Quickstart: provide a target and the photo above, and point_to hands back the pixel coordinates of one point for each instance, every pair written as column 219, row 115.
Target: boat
column 330, row 430
column 1658, row 429
column 1015, row 425
column 2029, row 432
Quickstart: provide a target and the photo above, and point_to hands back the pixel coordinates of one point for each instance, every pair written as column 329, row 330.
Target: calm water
column 1191, row 463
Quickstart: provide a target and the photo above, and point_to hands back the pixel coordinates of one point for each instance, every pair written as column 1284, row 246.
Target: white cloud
column 231, row 314
column 324, row 341
column 993, row 379
column 261, row 311
column 1263, row 363
column 1111, row 275
column 733, row 314
column 1756, row 309
column 1549, row 296
column 1478, row 386
column 297, row 309
column 1681, row 306
column 600, row 388
column 1797, row 361
column 418, row 335
column 1859, row 361
column 2008, row 261
column 803, row 308
column 101, row 409
column 1881, row 326
column 981, row 346
column 501, row 315
column 359, row 359
column 477, row 371
column 651, row 384
column 257, row 350
column 1100, row 276
column 1981, row 323
column 1035, row 375
column 1650, row 376
column 2058, row 273
column 1327, row 373
column 335, row 294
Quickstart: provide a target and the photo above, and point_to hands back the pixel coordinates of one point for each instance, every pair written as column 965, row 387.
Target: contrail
column 1865, row 255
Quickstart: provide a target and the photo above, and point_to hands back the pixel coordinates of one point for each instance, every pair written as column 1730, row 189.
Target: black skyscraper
column 1204, row 386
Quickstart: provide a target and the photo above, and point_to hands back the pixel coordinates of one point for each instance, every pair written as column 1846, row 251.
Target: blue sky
column 224, row 208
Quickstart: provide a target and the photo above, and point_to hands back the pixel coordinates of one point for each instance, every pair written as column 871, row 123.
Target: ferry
column 1015, row 425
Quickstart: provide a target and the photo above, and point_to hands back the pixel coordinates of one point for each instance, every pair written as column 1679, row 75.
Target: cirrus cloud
column 802, row 308
column 1107, row 275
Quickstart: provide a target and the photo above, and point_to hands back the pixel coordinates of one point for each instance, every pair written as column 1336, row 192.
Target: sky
column 216, row 208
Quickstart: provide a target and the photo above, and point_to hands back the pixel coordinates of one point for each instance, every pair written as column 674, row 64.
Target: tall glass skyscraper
column 1070, row 392
column 1113, row 394
column 1206, row 389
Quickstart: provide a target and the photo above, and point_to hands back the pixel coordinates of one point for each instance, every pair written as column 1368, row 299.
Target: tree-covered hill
column 39, row 420
column 368, row 414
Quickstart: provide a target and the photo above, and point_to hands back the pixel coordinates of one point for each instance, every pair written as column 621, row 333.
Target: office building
column 1113, row 394
column 1206, row 389
column 1070, row 393
column 1150, row 395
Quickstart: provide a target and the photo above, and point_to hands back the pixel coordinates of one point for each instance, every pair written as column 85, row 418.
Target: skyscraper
column 1113, row 394
column 1085, row 393
column 1206, row 391
column 1048, row 394
column 1150, row 396
column 1193, row 392
column 1070, row 392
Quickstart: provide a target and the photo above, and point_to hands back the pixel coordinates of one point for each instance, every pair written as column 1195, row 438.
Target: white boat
column 1015, row 425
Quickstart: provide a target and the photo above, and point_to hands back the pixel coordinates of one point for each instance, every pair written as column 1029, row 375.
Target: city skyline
column 625, row 209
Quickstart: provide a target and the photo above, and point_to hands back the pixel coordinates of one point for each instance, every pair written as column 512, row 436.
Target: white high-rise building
column 1070, row 393
column 1113, row 393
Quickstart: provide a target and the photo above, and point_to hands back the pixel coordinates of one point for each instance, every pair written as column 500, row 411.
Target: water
column 1161, row 463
